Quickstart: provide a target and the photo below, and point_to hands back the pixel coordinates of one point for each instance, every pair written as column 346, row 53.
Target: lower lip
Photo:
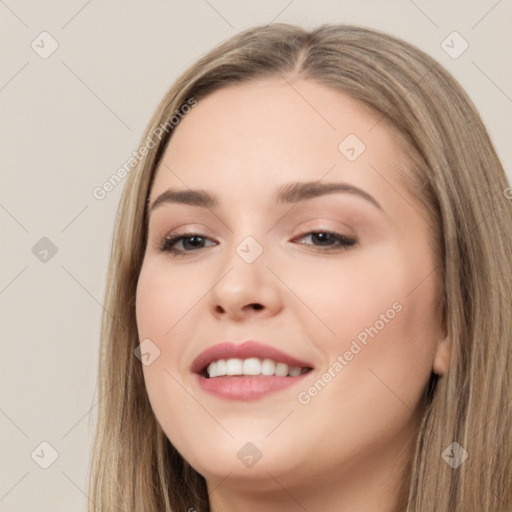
column 246, row 388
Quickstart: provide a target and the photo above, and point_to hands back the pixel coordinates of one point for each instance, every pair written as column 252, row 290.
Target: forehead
column 253, row 134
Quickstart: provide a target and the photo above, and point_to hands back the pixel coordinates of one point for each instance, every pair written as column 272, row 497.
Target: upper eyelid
column 191, row 233
column 313, row 220
column 177, row 237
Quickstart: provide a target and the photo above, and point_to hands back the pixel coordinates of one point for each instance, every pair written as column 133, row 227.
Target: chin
column 247, row 458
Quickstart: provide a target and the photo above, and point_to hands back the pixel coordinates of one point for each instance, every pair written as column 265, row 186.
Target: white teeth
column 268, row 367
column 221, row 368
column 212, row 370
column 281, row 370
column 251, row 366
column 234, row 367
column 295, row 371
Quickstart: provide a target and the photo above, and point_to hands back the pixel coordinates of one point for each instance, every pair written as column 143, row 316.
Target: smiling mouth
column 252, row 367
column 247, row 371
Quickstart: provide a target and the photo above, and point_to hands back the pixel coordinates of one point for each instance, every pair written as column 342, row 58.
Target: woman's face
column 310, row 246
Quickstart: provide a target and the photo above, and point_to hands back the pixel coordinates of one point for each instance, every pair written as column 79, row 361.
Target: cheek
column 162, row 300
column 379, row 362
column 382, row 311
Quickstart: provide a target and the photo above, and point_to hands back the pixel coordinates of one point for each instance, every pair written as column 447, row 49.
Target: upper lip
column 245, row 350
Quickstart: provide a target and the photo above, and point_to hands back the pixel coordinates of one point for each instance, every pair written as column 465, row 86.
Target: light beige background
column 70, row 120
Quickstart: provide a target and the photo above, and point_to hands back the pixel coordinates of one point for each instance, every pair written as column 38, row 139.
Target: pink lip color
column 244, row 387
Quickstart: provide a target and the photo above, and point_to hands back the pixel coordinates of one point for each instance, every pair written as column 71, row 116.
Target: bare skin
column 345, row 446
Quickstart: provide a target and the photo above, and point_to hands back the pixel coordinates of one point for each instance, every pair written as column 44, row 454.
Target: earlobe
column 442, row 357
column 441, row 362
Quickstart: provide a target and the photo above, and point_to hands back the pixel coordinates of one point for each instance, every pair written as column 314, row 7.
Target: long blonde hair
column 455, row 173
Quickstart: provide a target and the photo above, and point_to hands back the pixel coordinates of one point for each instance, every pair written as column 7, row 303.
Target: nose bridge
column 248, row 242
column 245, row 284
column 246, row 264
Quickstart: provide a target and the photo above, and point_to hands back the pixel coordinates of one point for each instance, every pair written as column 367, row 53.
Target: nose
column 245, row 290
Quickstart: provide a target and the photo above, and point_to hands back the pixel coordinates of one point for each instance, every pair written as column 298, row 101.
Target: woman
column 309, row 289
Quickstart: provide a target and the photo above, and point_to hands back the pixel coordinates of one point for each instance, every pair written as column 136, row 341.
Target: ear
column 443, row 354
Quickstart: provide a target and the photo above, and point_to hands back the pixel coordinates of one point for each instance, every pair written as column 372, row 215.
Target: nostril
column 248, row 307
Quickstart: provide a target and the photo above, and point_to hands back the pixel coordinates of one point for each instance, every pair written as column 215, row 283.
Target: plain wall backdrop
column 79, row 81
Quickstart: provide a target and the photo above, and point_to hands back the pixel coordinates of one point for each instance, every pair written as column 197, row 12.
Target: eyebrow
column 288, row 193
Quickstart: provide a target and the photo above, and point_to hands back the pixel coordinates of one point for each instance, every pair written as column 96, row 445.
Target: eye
column 328, row 240
column 189, row 242
column 180, row 245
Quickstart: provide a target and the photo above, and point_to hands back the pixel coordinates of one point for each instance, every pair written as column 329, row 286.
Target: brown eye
column 183, row 243
column 328, row 240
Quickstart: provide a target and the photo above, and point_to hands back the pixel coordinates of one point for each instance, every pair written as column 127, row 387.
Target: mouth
column 247, row 371
column 251, row 366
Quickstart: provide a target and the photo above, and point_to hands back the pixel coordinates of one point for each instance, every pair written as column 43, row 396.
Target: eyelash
column 167, row 244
